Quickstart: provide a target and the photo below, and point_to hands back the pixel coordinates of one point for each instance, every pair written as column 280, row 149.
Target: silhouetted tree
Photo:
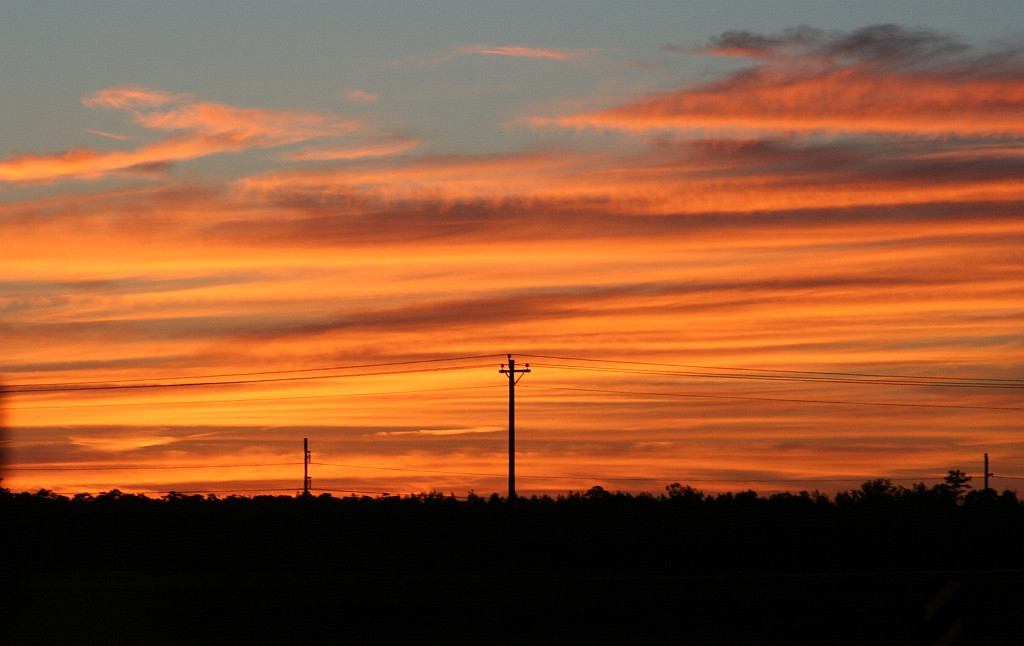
column 877, row 489
column 677, row 491
column 956, row 483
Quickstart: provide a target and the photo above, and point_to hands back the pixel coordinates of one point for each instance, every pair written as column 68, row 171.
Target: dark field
column 318, row 608
column 879, row 567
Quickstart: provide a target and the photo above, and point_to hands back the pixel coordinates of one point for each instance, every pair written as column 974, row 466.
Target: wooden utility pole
column 987, row 474
column 306, row 481
column 512, row 371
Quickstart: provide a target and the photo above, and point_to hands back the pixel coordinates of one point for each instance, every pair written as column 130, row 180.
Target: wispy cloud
column 885, row 44
column 442, row 431
column 380, row 148
column 109, row 135
column 519, row 51
column 119, row 444
column 202, row 129
column 711, row 175
column 359, row 95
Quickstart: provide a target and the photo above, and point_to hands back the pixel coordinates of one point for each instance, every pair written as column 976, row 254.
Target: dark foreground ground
column 879, row 566
column 312, row 608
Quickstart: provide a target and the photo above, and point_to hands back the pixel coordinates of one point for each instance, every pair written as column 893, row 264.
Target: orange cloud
column 878, row 80
column 204, row 129
column 844, row 100
column 131, row 98
column 370, row 149
column 703, row 178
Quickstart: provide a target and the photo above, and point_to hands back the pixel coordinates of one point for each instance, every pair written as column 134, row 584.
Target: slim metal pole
column 305, row 480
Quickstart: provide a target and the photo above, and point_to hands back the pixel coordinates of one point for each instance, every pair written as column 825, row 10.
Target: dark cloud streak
column 888, row 44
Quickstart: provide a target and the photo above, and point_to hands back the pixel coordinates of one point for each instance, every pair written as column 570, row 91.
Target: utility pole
column 987, row 474
column 306, row 481
column 512, row 371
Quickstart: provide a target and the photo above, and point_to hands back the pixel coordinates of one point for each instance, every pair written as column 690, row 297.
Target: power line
column 805, row 378
column 454, row 473
column 266, row 372
column 769, row 377
column 981, row 381
column 197, row 491
column 660, row 369
column 803, row 479
column 150, row 467
column 258, row 399
column 774, row 399
column 137, row 386
column 233, row 491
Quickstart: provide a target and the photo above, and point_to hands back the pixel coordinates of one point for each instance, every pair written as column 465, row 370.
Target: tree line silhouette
column 587, row 567
column 879, row 526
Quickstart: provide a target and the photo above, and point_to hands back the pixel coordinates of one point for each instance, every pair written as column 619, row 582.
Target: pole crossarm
column 514, row 375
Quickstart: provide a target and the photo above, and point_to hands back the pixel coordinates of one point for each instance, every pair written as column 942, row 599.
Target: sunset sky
column 764, row 245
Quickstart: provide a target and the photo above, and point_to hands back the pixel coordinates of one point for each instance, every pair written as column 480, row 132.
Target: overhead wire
column 527, row 476
column 151, row 467
column 198, row 491
column 376, row 468
column 280, row 372
column 796, row 400
column 1015, row 383
column 787, row 378
column 652, row 368
column 259, row 399
column 95, row 386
